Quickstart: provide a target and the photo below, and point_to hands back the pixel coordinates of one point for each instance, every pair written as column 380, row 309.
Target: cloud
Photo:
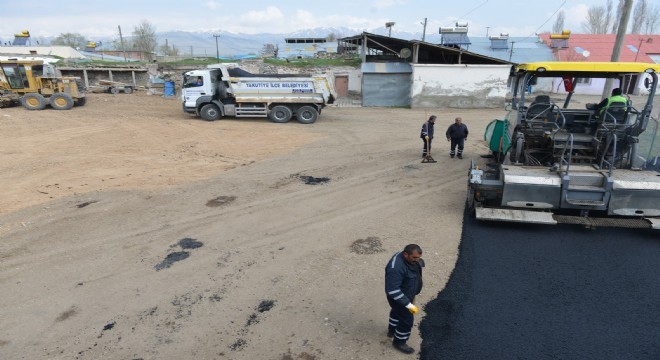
column 270, row 15
column 383, row 4
column 211, row 5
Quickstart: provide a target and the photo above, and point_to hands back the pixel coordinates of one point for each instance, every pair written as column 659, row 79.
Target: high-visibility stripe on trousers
column 457, row 142
column 400, row 322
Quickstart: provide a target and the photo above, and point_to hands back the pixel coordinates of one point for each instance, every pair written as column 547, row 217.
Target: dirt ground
column 130, row 230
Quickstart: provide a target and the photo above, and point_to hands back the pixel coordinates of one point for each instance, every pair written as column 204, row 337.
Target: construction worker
column 600, row 108
column 457, row 133
column 403, row 281
column 427, row 135
column 616, row 97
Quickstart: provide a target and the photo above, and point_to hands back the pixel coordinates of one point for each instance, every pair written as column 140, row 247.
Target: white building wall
column 354, row 77
column 459, row 86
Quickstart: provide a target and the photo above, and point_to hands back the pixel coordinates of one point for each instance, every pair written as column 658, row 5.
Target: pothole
column 370, row 245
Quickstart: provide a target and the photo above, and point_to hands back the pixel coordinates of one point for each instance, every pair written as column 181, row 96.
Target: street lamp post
column 639, row 48
column 389, row 25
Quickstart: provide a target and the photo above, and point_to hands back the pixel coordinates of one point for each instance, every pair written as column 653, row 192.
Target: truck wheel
column 128, row 90
column 61, row 101
column 210, row 112
column 280, row 114
column 114, row 90
column 307, row 115
column 33, row 101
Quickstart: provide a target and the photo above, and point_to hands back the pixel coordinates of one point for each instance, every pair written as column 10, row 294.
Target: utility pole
column 620, row 35
column 217, row 51
column 511, row 54
column 487, row 28
column 424, row 32
column 121, row 39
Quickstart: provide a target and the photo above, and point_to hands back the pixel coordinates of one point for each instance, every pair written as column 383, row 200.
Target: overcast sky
column 100, row 18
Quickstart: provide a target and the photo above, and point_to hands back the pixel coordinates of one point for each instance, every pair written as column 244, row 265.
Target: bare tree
column 144, row 39
column 74, row 40
column 652, row 18
column 596, row 21
column 333, row 36
column 168, row 50
column 608, row 17
column 558, row 26
column 116, row 44
column 639, row 16
column 619, row 11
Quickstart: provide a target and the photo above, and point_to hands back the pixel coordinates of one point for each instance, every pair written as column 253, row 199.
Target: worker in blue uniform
column 427, row 135
column 457, row 133
column 403, row 281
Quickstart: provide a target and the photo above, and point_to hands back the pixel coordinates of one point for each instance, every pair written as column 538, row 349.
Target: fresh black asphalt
column 522, row 291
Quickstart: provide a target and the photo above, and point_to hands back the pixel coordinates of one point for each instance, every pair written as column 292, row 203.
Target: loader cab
column 15, row 75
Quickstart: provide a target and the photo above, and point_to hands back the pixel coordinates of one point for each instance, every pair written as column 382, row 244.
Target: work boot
column 390, row 333
column 403, row 347
column 460, row 156
column 451, row 156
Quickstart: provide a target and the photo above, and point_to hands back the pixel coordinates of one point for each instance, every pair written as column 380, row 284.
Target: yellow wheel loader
column 38, row 85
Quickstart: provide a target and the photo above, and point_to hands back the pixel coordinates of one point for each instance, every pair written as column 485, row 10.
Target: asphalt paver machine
column 553, row 160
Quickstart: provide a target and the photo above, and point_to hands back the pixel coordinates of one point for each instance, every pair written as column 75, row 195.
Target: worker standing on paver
column 427, row 135
column 457, row 133
column 403, row 281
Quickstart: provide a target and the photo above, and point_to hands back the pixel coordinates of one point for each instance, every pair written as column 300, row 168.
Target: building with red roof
column 599, row 47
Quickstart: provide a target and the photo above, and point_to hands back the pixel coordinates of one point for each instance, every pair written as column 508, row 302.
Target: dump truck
column 39, row 84
column 228, row 91
column 561, row 161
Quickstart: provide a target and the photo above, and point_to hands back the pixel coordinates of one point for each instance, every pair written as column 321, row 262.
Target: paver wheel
column 61, row 101
column 33, row 101
column 280, row 114
column 210, row 112
column 307, row 115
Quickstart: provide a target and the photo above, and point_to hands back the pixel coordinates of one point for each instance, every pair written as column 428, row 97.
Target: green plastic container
column 497, row 136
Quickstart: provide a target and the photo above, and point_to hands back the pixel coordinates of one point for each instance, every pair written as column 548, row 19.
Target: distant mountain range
column 230, row 44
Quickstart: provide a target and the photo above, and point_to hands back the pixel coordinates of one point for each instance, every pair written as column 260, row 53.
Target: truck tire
column 280, row 114
column 114, row 90
column 61, row 101
column 33, row 101
column 128, row 90
column 307, row 115
column 210, row 112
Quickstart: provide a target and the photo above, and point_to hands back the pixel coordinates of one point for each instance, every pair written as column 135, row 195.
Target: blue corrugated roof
column 525, row 50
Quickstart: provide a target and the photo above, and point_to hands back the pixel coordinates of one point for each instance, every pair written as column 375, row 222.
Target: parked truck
column 225, row 90
column 39, row 84
column 565, row 162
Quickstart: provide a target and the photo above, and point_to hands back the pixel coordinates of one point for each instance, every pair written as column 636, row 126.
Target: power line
column 471, row 11
column 545, row 22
